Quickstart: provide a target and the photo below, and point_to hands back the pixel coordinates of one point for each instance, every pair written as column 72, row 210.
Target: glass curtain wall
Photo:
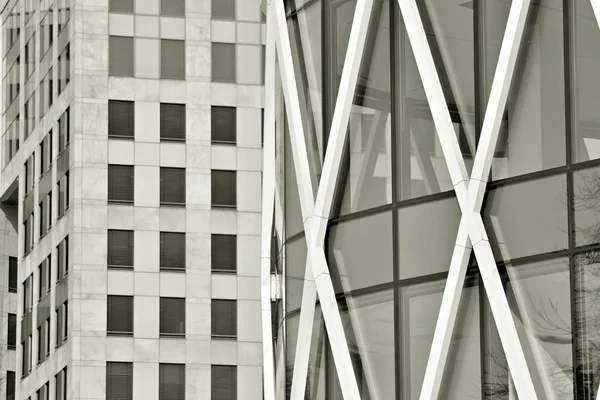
column 395, row 219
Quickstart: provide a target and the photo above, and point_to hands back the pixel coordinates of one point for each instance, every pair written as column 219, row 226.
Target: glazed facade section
column 391, row 238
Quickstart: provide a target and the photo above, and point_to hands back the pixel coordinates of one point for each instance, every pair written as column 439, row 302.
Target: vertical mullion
column 570, row 110
column 395, row 132
column 480, row 79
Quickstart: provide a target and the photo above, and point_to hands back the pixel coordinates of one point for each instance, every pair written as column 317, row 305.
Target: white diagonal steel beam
column 596, row 8
column 469, row 196
column 303, row 342
column 268, row 205
column 318, row 264
column 317, row 224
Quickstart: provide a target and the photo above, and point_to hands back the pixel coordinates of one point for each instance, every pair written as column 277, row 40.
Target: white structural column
column 268, row 204
column 470, row 195
column 331, row 315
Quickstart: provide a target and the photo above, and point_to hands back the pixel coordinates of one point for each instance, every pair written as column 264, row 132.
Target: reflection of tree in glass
column 548, row 324
column 587, row 322
column 586, row 202
column 548, row 331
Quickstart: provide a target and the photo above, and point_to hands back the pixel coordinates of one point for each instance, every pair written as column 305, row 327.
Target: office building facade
column 131, row 170
column 435, row 166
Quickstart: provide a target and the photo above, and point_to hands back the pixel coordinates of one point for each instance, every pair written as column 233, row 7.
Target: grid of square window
column 168, row 63
column 175, row 122
column 37, row 291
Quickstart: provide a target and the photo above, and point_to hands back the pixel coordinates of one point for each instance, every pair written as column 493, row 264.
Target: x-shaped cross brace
column 469, row 193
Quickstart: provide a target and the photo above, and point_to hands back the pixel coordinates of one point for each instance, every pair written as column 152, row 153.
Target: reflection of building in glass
column 395, row 217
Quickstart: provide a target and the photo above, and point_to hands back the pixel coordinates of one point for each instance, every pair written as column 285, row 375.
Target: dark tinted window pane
column 223, row 124
column 528, row 218
column 64, row 68
column 30, row 119
column 120, row 315
column 121, row 5
column 120, row 248
column 295, row 264
column 172, row 7
column 293, row 213
column 64, row 130
column 12, row 331
column 223, row 382
column 224, row 192
column 120, row 118
column 119, row 381
column 426, row 226
column 60, row 381
column 171, row 382
column 353, row 245
column 63, row 258
column 587, row 206
column 172, row 186
column 587, row 317
column 420, row 166
column 12, row 274
column 418, row 317
column 120, row 183
column 223, row 253
column 120, row 56
column 172, row 250
column 374, row 314
column 369, row 181
column 224, row 318
column 532, row 136
column 223, row 9
column 30, row 56
column 172, row 56
column 172, row 316
column 46, row 153
column 10, row 385
column 223, row 62
column 586, row 88
column 172, row 121
column 539, row 296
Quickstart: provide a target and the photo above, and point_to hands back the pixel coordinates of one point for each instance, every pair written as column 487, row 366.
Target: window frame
column 215, row 173
column 165, row 246
column 214, row 327
column 180, row 75
column 111, row 60
column 114, row 171
column 214, row 377
column 214, row 111
column 113, row 305
column 113, row 111
column 164, row 191
column 113, row 9
column 216, row 62
column 161, row 376
column 131, row 251
column 129, row 376
column 11, row 339
column 167, row 315
column 172, row 14
column 170, row 107
column 214, row 239
column 223, row 17
column 13, row 271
